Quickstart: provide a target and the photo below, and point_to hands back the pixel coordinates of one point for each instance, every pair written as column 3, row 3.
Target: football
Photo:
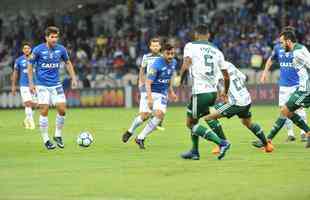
column 85, row 139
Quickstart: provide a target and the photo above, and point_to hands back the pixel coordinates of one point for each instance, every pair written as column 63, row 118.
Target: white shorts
column 159, row 102
column 285, row 93
column 27, row 95
column 54, row 95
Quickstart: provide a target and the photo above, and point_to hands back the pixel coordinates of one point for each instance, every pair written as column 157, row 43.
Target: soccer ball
column 85, row 139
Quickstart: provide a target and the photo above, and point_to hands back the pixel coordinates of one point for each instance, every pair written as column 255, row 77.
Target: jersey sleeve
column 64, row 54
column 221, row 62
column 143, row 62
column 241, row 75
column 34, row 56
column 274, row 54
column 16, row 65
column 301, row 59
column 187, row 51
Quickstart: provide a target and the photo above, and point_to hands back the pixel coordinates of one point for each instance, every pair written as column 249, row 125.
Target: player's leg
column 43, row 101
column 59, row 99
column 27, row 99
column 284, row 95
column 138, row 120
column 193, row 153
column 302, row 113
column 159, row 106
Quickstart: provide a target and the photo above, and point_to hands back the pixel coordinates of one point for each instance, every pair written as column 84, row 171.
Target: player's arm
column 266, row 70
column 172, row 94
column 30, row 77
column 14, row 79
column 141, row 76
column 187, row 62
column 71, row 72
column 224, row 69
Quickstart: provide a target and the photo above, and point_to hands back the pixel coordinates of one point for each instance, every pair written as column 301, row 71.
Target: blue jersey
column 21, row 64
column 47, row 61
column 160, row 72
column 288, row 74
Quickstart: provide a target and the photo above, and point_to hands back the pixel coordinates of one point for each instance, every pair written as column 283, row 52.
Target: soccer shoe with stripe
column 59, row 142
column 140, row 143
column 224, row 147
column 269, row 147
column 290, row 138
column 257, row 144
column 49, row 145
column 160, row 128
column 216, row 150
column 126, row 136
column 303, row 137
column 191, row 155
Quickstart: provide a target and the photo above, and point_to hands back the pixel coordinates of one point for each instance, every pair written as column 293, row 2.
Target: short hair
column 289, row 35
column 289, row 28
column 202, row 29
column 167, row 47
column 51, row 30
column 154, row 39
column 26, row 43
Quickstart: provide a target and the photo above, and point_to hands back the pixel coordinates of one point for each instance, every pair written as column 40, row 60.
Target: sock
column 135, row 124
column 28, row 112
column 60, row 121
column 258, row 132
column 43, row 121
column 195, row 141
column 302, row 113
column 207, row 134
column 276, row 127
column 150, row 126
column 300, row 122
column 290, row 128
column 217, row 128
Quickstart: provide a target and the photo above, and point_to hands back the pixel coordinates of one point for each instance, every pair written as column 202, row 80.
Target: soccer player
column 301, row 96
column 20, row 71
column 288, row 83
column 204, row 62
column 47, row 58
column 144, row 113
column 158, row 87
column 239, row 103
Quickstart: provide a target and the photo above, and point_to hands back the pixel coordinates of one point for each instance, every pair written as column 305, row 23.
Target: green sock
column 258, row 132
column 207, row 134
column 276, row 127
column 195, row 141
column 217, row 128
column 296, row 119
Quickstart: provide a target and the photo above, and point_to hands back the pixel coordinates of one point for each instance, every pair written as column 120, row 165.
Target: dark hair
column 167, row 47
column 154, row 39
column 51, row 30
column 289, row 28
column 202, row 29
column 289, row 35
column 26, row 43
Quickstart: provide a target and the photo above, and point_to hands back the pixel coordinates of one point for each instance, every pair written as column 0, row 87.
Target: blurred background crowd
column 107, row 39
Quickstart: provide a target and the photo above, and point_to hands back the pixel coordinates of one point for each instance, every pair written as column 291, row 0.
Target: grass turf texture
column 111, row 170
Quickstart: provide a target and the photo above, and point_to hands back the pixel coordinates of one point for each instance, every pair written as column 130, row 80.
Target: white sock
column 135, row 124
column 28, row 112
column 60, row 121
column 43, row 121
column 290, row 128
column 150, row 126
column 302, row 113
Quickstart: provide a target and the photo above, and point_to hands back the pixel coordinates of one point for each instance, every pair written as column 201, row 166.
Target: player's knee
column 285, row 111
column 44, row 111
column 145, row 116
column 62, row 112
column 246, row 123
column 28, row 104
column 159, row 114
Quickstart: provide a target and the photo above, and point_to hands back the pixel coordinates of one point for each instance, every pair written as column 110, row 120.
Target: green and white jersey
column 237, row 93
column 301, row 61
column 207, row 63
column 148, row 59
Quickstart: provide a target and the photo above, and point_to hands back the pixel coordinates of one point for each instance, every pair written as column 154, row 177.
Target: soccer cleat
column 126, row 136
column 269, row 147
column 191, row 155
column 257, row 144
column 31, row 124
column 308, row 142
column 49, row 145
column 140, row 143
column 26, row 123
column 290, row 138
column 59, row 142
column 223, row 149
column 303, row 137
column 160, row 128
column 216, row 150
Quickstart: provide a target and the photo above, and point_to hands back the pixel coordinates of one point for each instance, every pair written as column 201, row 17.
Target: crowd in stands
column 106, row 44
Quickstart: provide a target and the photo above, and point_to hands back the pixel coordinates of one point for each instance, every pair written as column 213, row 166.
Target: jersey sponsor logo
column 50, row 65
column 25, row 71
column 163, row 80
column 286, row 64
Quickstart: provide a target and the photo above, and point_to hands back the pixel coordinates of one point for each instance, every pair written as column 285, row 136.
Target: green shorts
column 228, row 110
column 298, row 99
column 200, row 104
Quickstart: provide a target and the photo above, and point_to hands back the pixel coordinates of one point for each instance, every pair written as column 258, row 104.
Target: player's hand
column 173, row 97
column 263, row 77
column 32, row 88
column 14, row 90
column 73, row 82
column 150, row 102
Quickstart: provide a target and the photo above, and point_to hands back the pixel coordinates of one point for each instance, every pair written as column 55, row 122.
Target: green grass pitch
column 111, row 170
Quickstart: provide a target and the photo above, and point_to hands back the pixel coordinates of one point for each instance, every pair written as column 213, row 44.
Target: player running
column 239, row 103
column 288, row 83
column 158, row 87
column 301, row 96
column 20, row 71
column 205, row 62
column 144, row 114
column 47, row 58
